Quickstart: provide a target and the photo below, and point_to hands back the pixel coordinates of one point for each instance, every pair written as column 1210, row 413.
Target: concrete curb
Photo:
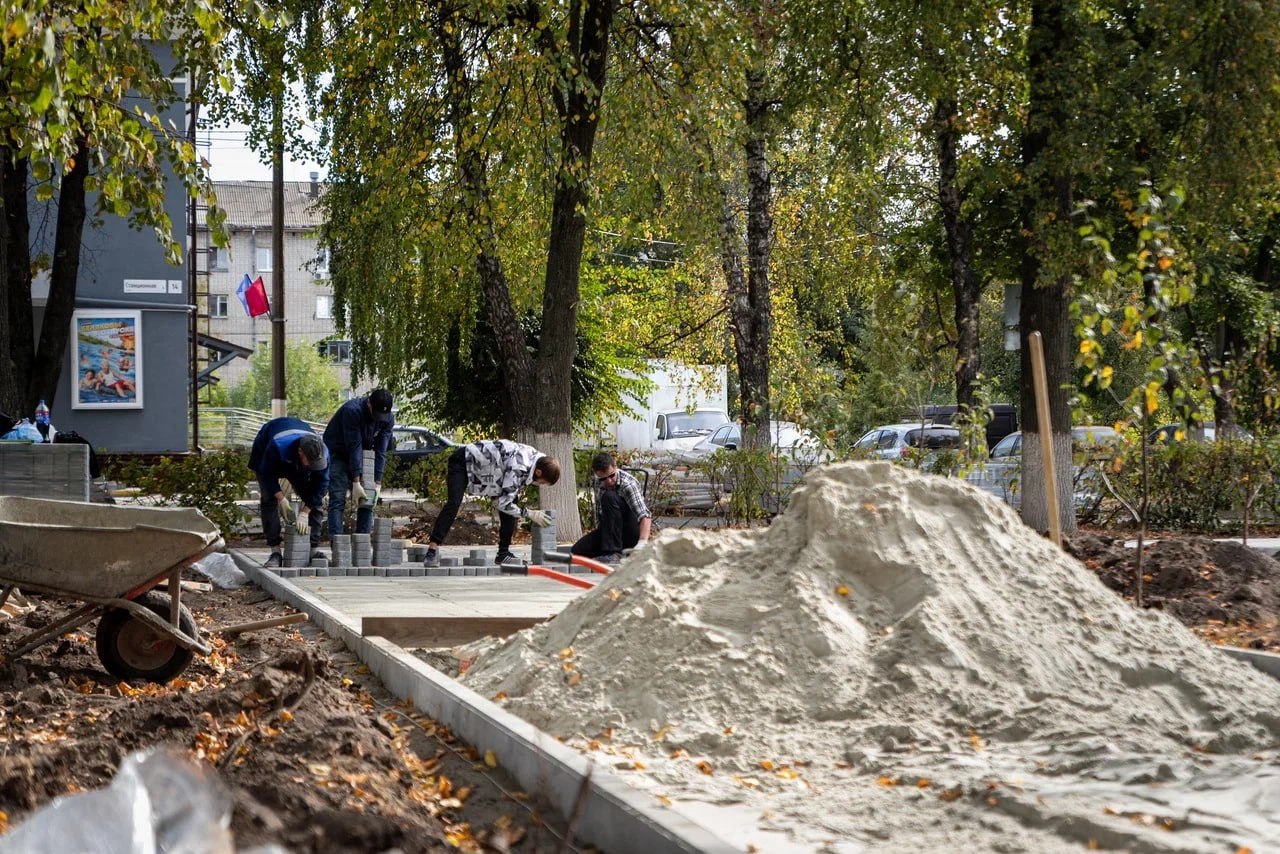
column 1267, row 662
column 614, row 816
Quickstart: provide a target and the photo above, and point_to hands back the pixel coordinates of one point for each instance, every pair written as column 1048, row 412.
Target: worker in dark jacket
column 288, row 449
column 361, row 424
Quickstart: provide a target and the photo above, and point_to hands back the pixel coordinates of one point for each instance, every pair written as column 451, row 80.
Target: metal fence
column 229, row 427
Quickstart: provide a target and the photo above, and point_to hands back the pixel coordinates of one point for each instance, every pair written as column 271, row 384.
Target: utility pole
column 279, row 401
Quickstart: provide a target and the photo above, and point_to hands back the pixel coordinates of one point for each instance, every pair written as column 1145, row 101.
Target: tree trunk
column 9, row 397
column 749, row 301
column 959, row 231
column 55, row 329
column 1045, row 304
column 18, row 351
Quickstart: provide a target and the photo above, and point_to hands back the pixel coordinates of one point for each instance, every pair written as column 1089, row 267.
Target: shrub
column 211, row 482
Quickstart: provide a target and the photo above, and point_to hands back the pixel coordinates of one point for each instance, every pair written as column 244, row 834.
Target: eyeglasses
column 607, row 477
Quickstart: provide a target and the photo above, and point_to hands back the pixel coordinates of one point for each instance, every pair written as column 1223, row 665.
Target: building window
column 324, row 307
column 217, row 305
column 338, row 352
column 262, row 259
column 219, row 258
column 320, row 265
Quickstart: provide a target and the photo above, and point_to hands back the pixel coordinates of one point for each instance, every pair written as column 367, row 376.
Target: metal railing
column 229, row 427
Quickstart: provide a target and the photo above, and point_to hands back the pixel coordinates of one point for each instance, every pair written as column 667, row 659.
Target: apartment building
column 308, row 302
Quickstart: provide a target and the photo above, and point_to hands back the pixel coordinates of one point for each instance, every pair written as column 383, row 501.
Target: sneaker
column 610, row 558
column 275, row 559
column 508, row 559
column 432, row 558
column 316, row 554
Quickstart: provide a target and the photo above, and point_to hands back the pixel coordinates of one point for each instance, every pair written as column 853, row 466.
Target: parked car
column 1003, row 472
column 1170, row 433
column 678, row 430
column 789, row 440
column 895, row 441
column 413, row 444
column 1002, row 419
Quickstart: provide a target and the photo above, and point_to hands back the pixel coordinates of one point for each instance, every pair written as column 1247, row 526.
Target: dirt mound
column 1201, row 582
column 306, row 741
column 469, row 529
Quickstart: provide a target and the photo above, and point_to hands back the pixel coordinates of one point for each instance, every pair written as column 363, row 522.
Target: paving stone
column 479, row 554
column 416, row 571
column 322, row 572
column 457, row 570
column 306, row 572
column 366, row 572
column 288, row 572
column 451, row 561
column 439, row 571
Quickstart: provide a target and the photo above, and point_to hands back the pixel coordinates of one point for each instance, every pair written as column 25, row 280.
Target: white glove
column 303, row 525
column 377, row 491
column 286, row 511
column 541, row 518
column 358, row 492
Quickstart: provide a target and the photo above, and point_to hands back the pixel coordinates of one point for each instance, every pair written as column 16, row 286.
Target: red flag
column 255, row 297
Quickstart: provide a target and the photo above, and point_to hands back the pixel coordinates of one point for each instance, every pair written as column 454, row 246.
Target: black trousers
column 619, row 527
column 271, row 521
column 456, row 481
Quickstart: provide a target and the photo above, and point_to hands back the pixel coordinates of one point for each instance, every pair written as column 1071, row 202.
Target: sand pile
column 886, row 609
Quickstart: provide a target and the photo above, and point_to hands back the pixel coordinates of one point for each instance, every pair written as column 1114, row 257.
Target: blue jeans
column 339, row 487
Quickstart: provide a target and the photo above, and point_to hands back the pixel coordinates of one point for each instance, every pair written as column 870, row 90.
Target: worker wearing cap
column 361, row 424
column 288, row 449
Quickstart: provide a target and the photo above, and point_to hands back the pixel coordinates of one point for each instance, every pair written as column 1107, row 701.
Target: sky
column 230, row 159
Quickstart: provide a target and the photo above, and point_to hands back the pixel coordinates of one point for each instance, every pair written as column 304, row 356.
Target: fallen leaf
column 842, row 590
column 490, row 759
column 766, row 765
column 923, row 783
column 614, row 595
column 566, row 652
column 500, row 696
column 728, row 730
column 705, row 767
column 951, row 794
column 664, row 800
column 574, row 678
column 661, row 734
column 886, row 781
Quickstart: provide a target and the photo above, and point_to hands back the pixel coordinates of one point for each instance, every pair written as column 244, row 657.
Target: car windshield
column 693, row 424
column 934, row 439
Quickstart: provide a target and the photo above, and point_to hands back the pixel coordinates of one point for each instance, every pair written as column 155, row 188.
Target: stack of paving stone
column 386, row 551
column 362, row 553
column 480, row 562
column 341, row 554
column 366, row 476
column 416, row 553
column 544, row 539
column 45, row 470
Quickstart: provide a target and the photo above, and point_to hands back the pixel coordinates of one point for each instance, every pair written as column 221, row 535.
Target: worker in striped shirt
column 623, row 519
column 497, row 469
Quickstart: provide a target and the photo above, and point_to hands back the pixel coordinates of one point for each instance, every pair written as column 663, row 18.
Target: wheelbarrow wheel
column 131, row 649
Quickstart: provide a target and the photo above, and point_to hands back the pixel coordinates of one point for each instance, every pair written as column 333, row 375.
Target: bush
column 211, row 482
column 1201, row 486
column 426, row 479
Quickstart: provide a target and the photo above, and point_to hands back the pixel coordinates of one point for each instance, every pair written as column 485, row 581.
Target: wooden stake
column 287, row 620
column 1041, row 384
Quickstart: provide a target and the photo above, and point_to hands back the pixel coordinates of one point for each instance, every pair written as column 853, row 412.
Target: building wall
column 111, row 253
column 304, row 286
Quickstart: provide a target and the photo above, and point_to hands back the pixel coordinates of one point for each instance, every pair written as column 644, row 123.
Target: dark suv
column 412, row 444
column 1003, row 419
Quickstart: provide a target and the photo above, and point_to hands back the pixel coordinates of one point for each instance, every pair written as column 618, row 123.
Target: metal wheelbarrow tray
column 109, row 557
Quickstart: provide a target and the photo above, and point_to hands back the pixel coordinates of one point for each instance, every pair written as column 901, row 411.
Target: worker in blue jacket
column 361, row 424
column 288, row 449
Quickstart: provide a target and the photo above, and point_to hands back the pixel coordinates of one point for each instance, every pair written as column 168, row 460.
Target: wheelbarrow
column 109, row 558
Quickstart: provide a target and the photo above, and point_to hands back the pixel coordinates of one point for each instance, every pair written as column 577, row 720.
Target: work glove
column 286, row 512
column 541, row 518
column 377, row 491
column 303, row 525
column 358, row 492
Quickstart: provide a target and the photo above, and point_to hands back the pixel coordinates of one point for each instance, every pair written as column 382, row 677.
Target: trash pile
column 888, row 616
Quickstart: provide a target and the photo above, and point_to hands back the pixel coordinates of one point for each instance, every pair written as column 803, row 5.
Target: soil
column 317, row 755
column 468, row 529
column 1226, row 592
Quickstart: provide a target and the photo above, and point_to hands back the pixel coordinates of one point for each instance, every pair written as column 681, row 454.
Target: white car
column 678, row 430
column 789, row 440
column 895, row 441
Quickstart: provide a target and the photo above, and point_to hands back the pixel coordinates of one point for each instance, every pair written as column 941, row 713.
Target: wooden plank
column 442, row 631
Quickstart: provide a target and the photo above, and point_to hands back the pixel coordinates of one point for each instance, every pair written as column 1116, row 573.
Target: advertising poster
column 107, row 356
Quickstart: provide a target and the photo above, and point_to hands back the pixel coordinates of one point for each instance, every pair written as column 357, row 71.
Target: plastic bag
column 24, row 431
column 221, row 569
column 159, row 802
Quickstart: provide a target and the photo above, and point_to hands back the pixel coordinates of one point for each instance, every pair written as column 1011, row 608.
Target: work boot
column 316, row 555
column 275, row 559
column 610, row 558
column 508, row 559
column 432, row 558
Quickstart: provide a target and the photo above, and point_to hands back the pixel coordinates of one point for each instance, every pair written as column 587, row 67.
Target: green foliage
column 211, row 482
column 749, row 484
column 426, row 478
column 311, row 385
column 1202, row 486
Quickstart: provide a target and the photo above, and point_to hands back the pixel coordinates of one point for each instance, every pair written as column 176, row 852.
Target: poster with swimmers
column 107, row 354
